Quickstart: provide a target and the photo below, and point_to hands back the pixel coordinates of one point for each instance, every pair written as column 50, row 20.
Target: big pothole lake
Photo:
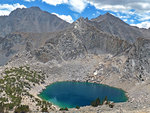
column 72, row 94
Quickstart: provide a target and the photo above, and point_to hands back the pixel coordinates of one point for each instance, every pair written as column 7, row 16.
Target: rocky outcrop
column 7, row 47
column 97, row 41
column 64, row 46
column 81, row 39
column 138, row 62
column 18, row 42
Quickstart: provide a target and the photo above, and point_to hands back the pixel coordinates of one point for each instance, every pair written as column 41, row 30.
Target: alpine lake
column 71, row 94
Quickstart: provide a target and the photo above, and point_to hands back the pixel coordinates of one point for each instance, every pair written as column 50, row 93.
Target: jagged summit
column 81, row 20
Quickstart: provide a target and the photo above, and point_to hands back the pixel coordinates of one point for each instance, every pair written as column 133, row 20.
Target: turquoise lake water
column 72, row 94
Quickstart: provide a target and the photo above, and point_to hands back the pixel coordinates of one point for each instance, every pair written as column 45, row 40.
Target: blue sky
column 133, row 12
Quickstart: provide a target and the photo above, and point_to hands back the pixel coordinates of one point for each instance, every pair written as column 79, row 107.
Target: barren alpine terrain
column 103, row 50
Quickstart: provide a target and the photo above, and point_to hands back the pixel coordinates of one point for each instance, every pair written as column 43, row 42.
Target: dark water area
column 72, row 94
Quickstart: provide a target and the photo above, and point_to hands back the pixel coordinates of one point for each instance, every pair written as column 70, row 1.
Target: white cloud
column 145, row 24
column 108, row 6
column 67, row 18
column 75, row 5
column 78, row 5
column 140, row 6
column 5, row 9
column 121, row 5
column 143, row 17
column 4, row 12
column 132, row 21
column 122, row 16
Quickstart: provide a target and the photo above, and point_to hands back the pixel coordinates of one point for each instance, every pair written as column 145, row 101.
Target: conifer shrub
column 96, row 102
column 77, row 107
column 44, row 109
column 22, row 109
column 63, row 109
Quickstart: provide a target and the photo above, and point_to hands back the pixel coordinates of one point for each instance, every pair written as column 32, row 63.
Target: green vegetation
column 16, row 83
column 77, row 107
column 96, row 102
column 22, row 109
column 63, row 109
column 1, row 108
column 44, row 109
column 105, row 101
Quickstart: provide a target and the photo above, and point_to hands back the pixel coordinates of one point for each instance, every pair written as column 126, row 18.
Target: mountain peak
column 106, row 16
column 109, row 15
column 21, row 11
column 114, row 25
column 35, row 8
column 31, row 19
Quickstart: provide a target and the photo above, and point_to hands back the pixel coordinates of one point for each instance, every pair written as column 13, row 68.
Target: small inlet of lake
column 72, row 94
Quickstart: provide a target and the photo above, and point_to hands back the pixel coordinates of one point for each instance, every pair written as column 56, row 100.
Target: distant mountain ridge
column 30, row 20
column 48, row 37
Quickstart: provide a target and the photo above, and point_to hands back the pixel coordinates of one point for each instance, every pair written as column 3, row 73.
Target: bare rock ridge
column 113, row 25
column 30, row 20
